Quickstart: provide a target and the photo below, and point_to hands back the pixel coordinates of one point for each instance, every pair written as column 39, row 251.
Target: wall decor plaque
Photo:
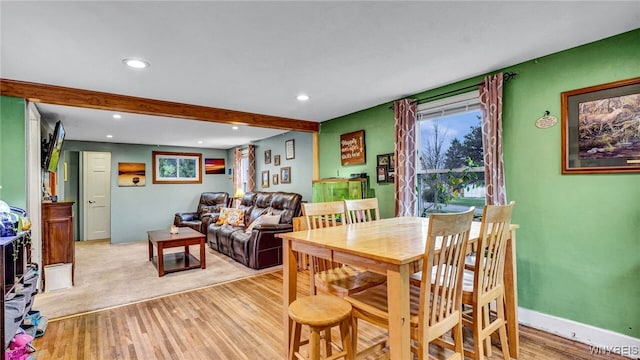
column 352, row 148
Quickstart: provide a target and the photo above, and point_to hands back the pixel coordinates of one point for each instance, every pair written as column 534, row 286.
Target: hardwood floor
column 237, row 320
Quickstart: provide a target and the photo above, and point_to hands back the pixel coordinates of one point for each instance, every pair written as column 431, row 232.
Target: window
column 450, row 169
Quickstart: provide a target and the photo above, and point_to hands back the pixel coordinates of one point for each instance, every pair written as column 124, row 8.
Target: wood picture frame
column 267, row 156
column 176, row 167
column 352, row 148
column 600, row 128
column 265, row 179
column 290, row 149
column 276, row 160
column 274, row 179
column 285, row 175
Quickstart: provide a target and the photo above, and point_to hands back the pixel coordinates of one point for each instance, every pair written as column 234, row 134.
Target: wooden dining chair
column 485, row 283
column 435, row 309
column 326, row 274
column 362, row 210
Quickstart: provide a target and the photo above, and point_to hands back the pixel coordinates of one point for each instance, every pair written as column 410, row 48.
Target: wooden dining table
column 393, row 247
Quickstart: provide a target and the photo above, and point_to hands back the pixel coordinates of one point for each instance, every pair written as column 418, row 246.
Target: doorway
column 96, row 190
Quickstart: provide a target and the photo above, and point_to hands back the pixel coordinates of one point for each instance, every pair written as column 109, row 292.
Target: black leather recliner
column 260, row 248
column 208, row 211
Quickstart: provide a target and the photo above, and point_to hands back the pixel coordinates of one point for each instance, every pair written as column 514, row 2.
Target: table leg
column 399, row 314
column 290, row 274
column 150, row 250
column 511, row 296
column 160, row 259
column 203, row 259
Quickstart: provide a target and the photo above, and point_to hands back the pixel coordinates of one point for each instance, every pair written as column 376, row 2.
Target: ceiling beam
column 59, row 95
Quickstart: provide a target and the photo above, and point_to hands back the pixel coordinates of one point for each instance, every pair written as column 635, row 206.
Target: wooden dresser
column 57, row 235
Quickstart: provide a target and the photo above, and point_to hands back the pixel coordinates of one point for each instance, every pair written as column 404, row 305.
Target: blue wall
column 134, row 210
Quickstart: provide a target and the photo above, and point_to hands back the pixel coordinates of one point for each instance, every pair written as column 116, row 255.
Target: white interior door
column 97, row 194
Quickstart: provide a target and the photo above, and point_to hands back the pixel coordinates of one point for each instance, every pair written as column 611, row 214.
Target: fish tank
column 338, row 189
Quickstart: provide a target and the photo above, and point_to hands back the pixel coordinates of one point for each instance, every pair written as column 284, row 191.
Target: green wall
column 13, row 158
column 577, row 248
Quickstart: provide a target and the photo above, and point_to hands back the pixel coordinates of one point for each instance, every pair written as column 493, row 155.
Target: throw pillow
column 235, row 217
column 222, row 216
column 263, row 219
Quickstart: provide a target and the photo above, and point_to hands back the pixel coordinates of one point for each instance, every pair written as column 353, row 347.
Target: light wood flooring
column 236, row 320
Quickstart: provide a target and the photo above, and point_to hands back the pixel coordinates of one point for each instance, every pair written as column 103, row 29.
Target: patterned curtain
column 251, row 181
column 405, row 154
column 237, row 163
column 491, row 103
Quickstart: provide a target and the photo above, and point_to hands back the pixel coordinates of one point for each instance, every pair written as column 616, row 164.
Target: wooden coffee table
column 179, row 261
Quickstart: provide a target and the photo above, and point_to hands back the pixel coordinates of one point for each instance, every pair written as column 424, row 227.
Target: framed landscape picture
column 600, row 128
column 265, row 179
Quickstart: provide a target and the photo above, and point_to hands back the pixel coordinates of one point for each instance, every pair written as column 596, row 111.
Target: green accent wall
column 13, row 158
column 578, row 244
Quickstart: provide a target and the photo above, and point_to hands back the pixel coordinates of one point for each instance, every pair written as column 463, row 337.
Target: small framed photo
column 285, row 175
column 265, row 179
column 381, row 174
column 289, row 149
column 276, row 160
column 267, row 156
column 274, row 179
column 383, row 160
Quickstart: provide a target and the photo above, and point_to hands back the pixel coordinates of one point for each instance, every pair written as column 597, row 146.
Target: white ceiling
column 257, row 56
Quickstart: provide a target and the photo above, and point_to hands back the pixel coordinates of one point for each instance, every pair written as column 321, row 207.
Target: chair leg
column 477, row 329
column 458, row 338
column 314, row 344
column 354, row 334
column 487, row 322
column 345, row 334
column 504, row 342
column 295, row 340
column 327, row 342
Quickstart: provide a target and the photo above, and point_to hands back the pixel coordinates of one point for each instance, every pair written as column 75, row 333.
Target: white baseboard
column 603, row 341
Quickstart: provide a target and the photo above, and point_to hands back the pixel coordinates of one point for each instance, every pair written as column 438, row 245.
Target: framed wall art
column 267, row 156
column 290, row 149
column 213, row 166
column 276, row 160
column 352, row 148
column 274, row 179
column 265, row 179
column 381, row 174
column 176, row 167
column 601, row 128
column 131, row 174
column 285, row 175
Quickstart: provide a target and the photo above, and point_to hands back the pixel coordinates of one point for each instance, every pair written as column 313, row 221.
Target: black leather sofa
column 208, row 210
column 260, row 248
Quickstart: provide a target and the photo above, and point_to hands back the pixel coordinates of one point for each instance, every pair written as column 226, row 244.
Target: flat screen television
column 54, row 148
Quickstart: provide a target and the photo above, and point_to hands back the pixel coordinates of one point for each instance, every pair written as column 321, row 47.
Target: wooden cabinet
column 57, row 235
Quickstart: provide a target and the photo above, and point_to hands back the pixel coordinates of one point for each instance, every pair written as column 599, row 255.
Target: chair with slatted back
column 485, row 283
column 435, row 308
column 327, row 275
column 361, row 210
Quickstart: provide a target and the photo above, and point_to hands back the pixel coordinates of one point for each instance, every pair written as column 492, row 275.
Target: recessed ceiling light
column 109, row 136
column 303, row 97
column 234, row 127
column 117, row 116
column 199, row 141
column 136, row 63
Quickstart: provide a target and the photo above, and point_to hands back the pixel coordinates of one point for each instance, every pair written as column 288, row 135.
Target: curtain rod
column 506, row 77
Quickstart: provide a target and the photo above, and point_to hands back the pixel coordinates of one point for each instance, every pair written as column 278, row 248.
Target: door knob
column 91, row 201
